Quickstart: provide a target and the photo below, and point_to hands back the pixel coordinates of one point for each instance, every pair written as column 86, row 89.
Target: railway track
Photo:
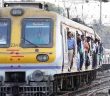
column 100, row 83
column 94, row 92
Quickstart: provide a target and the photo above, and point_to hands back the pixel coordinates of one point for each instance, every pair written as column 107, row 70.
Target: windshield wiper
column 29, row 42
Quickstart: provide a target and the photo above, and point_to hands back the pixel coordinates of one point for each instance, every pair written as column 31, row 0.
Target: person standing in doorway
column 82, row 51
column 87, row 50
column 71, row 49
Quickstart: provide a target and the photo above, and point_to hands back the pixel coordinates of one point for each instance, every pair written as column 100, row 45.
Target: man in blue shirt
column 71, row 49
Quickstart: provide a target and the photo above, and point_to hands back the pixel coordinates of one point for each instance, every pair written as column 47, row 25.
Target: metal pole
column 82, row 13
column 68, row 15
column 100, row 12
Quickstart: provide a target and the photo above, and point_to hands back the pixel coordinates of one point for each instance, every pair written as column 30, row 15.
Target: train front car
column 28, row 57
column 34, row 52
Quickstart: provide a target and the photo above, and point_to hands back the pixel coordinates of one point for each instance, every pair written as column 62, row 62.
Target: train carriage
column 34, row 52
column 106, row 59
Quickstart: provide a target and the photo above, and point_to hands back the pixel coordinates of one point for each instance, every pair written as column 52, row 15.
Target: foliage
column 53, row 7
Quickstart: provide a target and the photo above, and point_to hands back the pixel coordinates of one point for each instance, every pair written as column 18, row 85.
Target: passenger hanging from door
column 87, row 50
column 71, row 49
column 80, row 51
column 95, row 52
column 82, row 54
column 101, row 49
column 78, row 37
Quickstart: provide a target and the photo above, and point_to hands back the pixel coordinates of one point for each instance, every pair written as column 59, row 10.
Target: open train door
column 65, row 64
column 65, row 28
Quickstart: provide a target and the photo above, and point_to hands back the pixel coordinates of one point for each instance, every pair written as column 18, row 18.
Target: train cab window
column 4, row 32
column 37, row 32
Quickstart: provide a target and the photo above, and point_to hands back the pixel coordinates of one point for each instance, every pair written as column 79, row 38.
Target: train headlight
column 42, row 57
column 38, row 75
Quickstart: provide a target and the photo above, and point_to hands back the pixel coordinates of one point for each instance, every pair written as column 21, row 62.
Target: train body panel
column 65, row 23
column 16, row 58
column 17, row 54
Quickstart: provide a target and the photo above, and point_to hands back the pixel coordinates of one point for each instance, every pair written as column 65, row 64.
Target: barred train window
column 4, row 32
column 37, row 32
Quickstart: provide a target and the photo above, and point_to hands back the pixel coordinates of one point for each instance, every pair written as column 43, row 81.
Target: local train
column 34, row 52
column 106, row 59
column 106, row 56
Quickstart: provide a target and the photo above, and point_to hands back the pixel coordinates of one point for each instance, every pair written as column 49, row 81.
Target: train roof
column 76, row 25
column 39, row 4
column 31, row 4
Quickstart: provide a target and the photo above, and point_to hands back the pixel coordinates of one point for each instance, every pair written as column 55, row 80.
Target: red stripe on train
column 12, row 50
column 17, row 56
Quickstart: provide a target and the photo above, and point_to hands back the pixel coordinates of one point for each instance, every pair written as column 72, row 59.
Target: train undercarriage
column 48, row 87
column 16, row 84
column 73, row 81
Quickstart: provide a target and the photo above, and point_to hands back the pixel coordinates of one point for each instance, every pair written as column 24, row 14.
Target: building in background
column 1, row 3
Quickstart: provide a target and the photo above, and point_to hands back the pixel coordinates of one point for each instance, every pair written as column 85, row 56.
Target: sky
column 88, row 12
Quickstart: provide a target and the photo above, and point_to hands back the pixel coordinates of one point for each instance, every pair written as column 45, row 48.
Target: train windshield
column 4, row 32
column 37, row 33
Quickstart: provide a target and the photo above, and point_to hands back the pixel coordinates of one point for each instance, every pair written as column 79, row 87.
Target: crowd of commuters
column 88, row 51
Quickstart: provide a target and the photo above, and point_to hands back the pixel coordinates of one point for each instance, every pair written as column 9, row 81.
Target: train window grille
column 26, row 90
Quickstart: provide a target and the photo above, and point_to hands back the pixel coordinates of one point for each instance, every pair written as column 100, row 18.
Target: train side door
column 65, row 48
